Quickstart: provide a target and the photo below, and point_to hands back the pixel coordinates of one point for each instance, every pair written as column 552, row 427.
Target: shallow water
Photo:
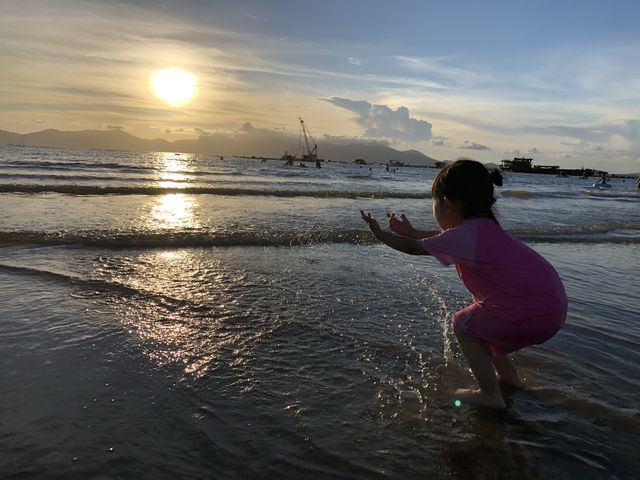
column 265, row 336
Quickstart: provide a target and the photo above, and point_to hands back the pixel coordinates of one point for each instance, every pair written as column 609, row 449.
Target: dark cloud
column 115, row 127
column 473, row 146
column 380, row 121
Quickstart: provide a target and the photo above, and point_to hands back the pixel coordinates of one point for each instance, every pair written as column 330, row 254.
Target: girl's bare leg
column 507, row 371
column 481, row 364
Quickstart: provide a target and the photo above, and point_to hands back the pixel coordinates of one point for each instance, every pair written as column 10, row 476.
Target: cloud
column 112, row 127
column 442, row 70
column 342, row 140
column 201, row 131
column 473, row 146
column 380, row 121
column 629, row 130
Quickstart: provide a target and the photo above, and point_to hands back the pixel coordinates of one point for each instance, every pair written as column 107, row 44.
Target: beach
column 191, row 316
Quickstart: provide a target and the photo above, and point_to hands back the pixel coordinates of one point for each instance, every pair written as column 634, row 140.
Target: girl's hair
column 470, row 183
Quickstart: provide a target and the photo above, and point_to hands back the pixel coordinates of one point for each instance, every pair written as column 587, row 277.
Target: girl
column 518, row 298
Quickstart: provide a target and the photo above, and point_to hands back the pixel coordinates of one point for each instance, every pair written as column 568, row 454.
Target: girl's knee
column 457, row 332
column 461, row 320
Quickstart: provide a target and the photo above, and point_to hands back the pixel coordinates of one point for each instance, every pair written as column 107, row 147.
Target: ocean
column 173, row 315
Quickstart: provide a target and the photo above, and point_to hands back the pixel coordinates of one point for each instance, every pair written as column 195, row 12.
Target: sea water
column 185, row 316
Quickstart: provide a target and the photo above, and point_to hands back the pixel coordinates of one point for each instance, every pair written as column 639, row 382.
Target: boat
column 308, row 153
column 523, row 165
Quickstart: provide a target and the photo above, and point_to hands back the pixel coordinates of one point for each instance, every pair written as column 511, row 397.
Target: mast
column 311, row 153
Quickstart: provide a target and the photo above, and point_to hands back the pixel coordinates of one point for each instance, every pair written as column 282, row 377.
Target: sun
column 173, row 85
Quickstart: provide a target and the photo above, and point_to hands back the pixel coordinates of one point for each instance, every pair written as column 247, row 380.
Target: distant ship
column 523, row 165
column 309, row 154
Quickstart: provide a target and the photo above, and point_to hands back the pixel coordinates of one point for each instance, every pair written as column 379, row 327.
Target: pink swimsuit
column 518, row 297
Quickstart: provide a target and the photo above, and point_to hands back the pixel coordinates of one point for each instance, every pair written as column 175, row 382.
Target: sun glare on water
column 173, row 85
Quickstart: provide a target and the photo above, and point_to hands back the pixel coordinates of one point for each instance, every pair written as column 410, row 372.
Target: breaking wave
column 614, row 233
column 79, row 190
column 229, row 191
column 631, row 195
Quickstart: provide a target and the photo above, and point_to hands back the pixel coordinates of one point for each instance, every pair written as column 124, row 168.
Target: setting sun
column 173, row 85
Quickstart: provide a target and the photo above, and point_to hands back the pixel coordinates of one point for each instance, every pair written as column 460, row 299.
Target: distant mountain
column 98, row 139
column 373, row 153
column 247, row 142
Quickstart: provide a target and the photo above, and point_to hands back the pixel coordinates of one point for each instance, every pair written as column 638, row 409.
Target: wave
column 74, row 189
column 74, row 165
column 187, row 239
column 228, row 191
column 593, row 193
column 613, row 228
column 93, row 285
column 523, row 194
column 633, row 195
column 108, row 172
column 69, row 178
column 621, row 234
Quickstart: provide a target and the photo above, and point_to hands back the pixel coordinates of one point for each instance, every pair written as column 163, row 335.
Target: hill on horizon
column 248, row 142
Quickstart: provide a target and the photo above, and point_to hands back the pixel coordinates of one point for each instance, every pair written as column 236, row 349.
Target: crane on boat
column 310, row 154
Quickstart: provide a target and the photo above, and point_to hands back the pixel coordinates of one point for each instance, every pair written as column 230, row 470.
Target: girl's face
column 448, row 213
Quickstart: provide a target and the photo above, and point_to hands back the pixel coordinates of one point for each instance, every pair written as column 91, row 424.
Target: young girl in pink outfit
column 518, row 298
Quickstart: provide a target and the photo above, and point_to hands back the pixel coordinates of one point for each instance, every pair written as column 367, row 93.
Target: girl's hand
column 374, row 226
column 402, row 226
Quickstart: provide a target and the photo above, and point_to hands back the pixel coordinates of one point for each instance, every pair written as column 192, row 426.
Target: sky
column 558, row 81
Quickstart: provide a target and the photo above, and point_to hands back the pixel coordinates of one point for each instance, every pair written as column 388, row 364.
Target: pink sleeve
column 456, row 245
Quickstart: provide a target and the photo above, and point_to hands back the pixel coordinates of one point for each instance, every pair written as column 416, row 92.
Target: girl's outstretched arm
column 402, row 244
column 403, row 227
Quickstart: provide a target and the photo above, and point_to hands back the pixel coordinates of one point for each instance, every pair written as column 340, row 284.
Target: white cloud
column 473, row 146
column 629, row 130
column 442, row 70
column 439, row 142
column 380, row 121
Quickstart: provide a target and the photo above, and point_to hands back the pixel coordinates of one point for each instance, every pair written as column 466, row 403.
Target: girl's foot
column 507, row 371
column 478, row 397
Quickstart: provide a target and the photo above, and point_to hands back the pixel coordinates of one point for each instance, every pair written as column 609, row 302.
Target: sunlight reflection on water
column 172, row 168
column 173, row 211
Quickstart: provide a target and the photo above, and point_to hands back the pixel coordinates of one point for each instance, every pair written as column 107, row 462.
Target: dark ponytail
column 495, row 177
column 470, row 183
